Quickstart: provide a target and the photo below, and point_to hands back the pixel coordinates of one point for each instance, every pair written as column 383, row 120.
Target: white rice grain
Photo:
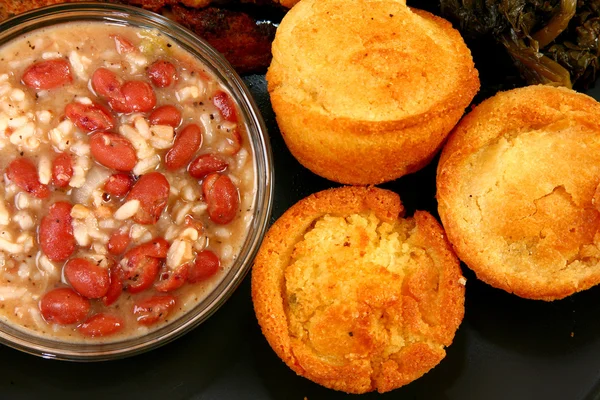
column 10, row 247
column 44, row 169
column 127, row 210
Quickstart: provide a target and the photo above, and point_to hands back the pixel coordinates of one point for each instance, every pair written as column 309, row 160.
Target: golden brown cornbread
column 517, row 188
column 354, row 297
column 366, row 91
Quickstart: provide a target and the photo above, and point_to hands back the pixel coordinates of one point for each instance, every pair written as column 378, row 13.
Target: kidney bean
column 123, row 45
column 143, row 264
column 113, row 151
column 62, row 170
column 162, row 73
column 48, row 74
column 120, row 105
column 166, row 115
column 116, row 285
column 152, row 190
column 106, row 84
column 101, row 325
column 156, row 248
column 25, row 175
column 221, row 197
column 187, row 142
column 139, row 96
column 153, row 309
column 205, row 265
column 140, row 274
column 55, row 233
column 64, row 306
column 205, row 164
column 118, row 242
column 172, row 280
column 87, row 278
column 226, row 106
column 89, row 117
column 118, row 184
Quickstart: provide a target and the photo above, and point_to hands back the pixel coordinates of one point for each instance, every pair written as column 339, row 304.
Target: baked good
column 366, row 91
column 517, row 188
column 353, row 296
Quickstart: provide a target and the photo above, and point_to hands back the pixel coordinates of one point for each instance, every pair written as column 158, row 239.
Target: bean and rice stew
column 127, row 182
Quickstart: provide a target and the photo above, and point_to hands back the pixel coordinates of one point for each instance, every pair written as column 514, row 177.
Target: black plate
column 506, row 347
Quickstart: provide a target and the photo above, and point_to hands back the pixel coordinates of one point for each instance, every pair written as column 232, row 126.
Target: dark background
column 506, row 347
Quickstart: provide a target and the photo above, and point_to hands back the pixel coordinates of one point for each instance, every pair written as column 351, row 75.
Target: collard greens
column 550, row 41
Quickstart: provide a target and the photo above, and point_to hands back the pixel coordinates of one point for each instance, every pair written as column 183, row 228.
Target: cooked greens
column 550, row 41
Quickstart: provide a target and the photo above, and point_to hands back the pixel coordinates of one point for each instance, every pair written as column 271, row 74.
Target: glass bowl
column 263, row 167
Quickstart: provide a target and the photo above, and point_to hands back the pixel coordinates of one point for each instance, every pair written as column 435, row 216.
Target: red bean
column 162, row 73
column 113, row 151
column 62, row 170
column 205, row 164
column 139, row 96
column 166, row 115
column 225, row 105
column 123, row 45
column 142, row 264
column 106, row 84
column 140, row 273
column 205, row 265
column 187, row 142
column 47, row 74
column 87, row 278
column 25, row 175
column 118, row 184
column 64, row 306
column 118, row 242
column 221, row 197
column 56, row 232
column 119, row 104
column 172, row 280
column 89, row 117
column 152, row 190
column 156, row 248
column 101, row 325
column 116, row 285
column 153, row 309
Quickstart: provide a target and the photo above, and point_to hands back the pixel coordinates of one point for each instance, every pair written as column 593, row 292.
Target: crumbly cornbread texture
column 365, row 91
column 353, row 297
column 518, row 191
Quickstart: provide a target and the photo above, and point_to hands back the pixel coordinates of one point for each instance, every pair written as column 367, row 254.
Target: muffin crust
column 518, row 191
column 354, row 297
column 366, row 91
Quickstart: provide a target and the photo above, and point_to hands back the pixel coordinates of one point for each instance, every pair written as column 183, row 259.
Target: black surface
column 506, row 348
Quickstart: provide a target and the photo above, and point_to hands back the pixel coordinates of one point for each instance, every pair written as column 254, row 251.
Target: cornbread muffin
column 354, row 297
column 365, row 91
column 517, row 187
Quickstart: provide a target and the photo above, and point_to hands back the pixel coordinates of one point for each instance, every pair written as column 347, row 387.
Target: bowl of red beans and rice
column 136, row 186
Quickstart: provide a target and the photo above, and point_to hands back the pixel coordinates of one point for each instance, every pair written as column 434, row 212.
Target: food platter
column 506, row 347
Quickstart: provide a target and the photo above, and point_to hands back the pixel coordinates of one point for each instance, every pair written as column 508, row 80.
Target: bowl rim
column 125, row 15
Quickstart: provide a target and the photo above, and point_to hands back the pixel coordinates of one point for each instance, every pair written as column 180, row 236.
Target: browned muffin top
column 370, row 60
